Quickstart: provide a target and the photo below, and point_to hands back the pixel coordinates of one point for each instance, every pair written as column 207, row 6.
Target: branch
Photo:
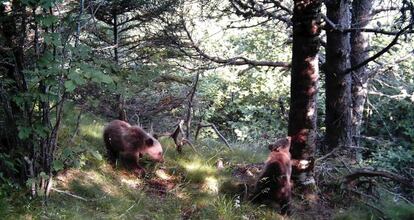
column 334, row 27
column 374, row 173
column 376, row 31
column 215, row 130
column 383, row 9
column 236, row 61
column 190, row 106
column 380, row 53
column 251, row 9
column 77, row 126
column 69, row 194
column 173, row 78
column 180, row 143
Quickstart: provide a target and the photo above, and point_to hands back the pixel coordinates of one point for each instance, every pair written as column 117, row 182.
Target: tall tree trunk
column 120, row 97
column 361, row 15
column 338, row 84
column 304, row 87
column 115, row 33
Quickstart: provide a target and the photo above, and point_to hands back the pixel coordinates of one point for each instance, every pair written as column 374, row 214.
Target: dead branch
column 327, row 155
column 191, row 106
column 77, row 126
column 396, row 195
column 180, row 142
column 200, row 125
column 49, row 185
column 186, row 141
column 378, row 173
column 29, row 163
column 69, row 194
column 175, row 136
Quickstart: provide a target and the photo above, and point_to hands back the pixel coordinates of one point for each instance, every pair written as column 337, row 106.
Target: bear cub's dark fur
column 273, row 184
column 127, row 144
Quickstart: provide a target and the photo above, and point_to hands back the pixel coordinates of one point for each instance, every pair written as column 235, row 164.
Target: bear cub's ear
column 149, row 142
column 282, row 144
column 272, row 147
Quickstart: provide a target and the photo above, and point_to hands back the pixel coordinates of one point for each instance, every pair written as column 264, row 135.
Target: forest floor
column 187, row 186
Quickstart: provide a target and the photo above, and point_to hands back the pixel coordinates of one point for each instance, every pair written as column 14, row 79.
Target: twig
column 31, row 174
column 77, row 126
column 69, row 194
column 343, row 163
column 382, row 120
column 191, row 106
column 363, row 194
column 215, row 130
column 327, row 155
column 398, row 195
column 132, row 206
column 374, row 207
column 185, row 141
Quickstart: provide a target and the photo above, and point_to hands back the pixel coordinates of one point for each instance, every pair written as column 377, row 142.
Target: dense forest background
column 219, row 80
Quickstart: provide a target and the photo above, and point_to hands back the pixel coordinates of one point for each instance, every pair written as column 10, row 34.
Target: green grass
column 386, row 208
column 89, row 188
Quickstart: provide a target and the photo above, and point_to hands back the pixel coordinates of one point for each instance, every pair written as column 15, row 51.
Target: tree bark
column 120, row 97
column 115, row 33
column 338, row 82
column 361, row 15
column 304, row 87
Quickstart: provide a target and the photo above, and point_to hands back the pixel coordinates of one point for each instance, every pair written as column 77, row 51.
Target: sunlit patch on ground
column 193, row 166
column 86, row 179
column 131, row 181
column 93, row 130
column 161, row 173
column 211, row 185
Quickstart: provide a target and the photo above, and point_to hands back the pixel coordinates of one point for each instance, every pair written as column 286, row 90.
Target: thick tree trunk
column 115, row 33
column 338, row 84
column 120, row 98
column 361, row 15
column 304, row 87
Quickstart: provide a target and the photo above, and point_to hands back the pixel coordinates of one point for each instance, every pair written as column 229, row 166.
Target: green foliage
column 390, row 210
column 355, row 213
column 401, row 211
column 395, row 158
column 112, row 194
column 390, row 119
column 84, row 148
column 246, row 103
column 248, row 106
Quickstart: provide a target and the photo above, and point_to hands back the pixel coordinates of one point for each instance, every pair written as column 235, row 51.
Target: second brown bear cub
column 274, row 183
column 128, row 143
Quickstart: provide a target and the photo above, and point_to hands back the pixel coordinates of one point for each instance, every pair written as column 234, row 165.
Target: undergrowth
column 186, row 186
column 86, row 186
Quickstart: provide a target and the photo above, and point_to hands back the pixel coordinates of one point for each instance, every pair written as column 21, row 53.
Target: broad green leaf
column 24, row 132
column 96, row 154
column 58, row 165
column 70, row 86
column 48, row 20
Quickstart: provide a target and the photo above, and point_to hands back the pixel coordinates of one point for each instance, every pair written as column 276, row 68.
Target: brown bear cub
column 128, row 143
column 273, row 184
